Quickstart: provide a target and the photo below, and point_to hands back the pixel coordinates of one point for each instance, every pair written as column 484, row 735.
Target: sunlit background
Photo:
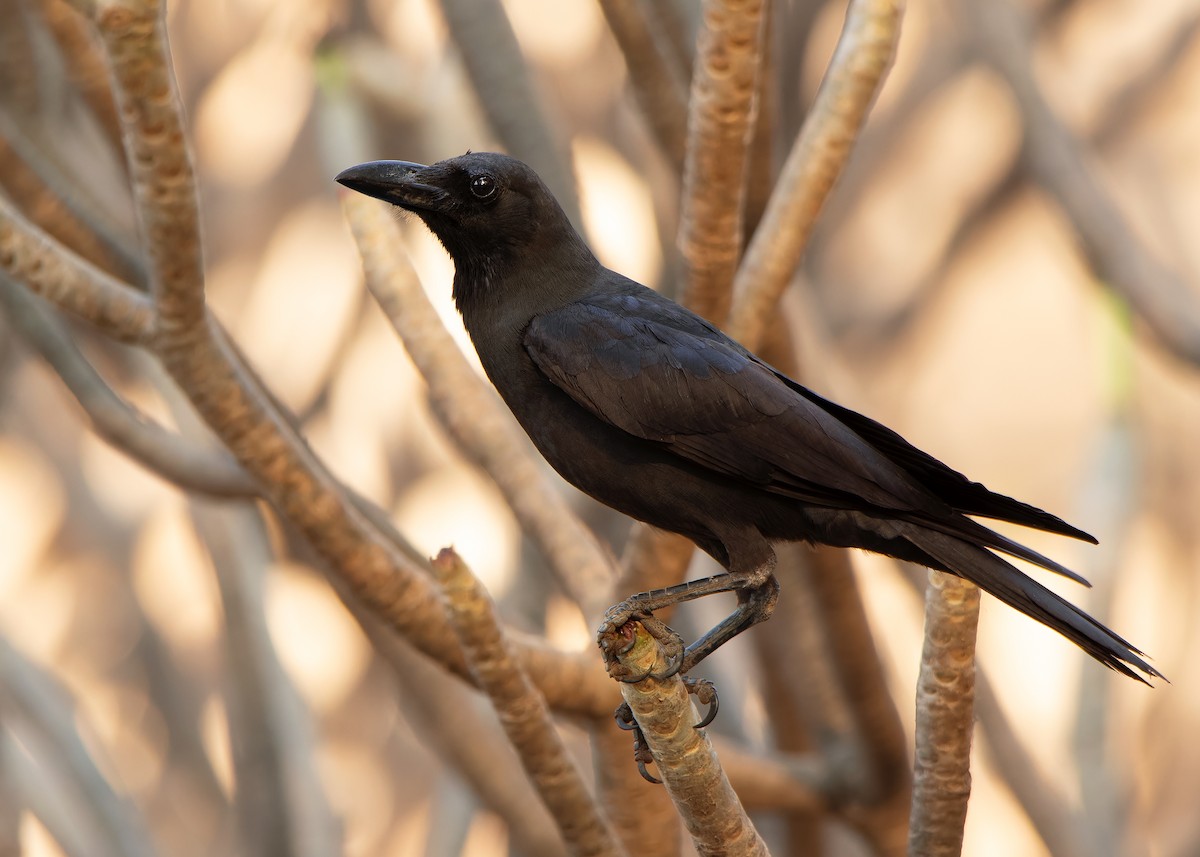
column 941, row 296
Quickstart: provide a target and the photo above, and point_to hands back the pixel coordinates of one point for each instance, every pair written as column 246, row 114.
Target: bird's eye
column 483, row 187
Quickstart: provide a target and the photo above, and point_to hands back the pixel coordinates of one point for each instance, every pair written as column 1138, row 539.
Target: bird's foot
column 706, row 694
column 641, row 750
column 617, row 636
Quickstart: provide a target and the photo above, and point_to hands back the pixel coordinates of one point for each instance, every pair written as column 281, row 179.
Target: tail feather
column 1001, row 579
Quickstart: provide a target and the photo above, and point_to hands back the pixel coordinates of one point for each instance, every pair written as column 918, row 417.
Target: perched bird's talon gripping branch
column 655, row 412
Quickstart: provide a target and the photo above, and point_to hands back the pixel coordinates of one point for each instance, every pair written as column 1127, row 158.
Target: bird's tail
column 1001, row 579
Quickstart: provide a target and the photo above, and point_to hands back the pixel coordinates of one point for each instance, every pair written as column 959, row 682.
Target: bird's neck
column 512, row 287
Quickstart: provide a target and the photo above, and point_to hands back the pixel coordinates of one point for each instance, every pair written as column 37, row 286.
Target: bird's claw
column 706, row 694
column 641, row 750
column 624, row 717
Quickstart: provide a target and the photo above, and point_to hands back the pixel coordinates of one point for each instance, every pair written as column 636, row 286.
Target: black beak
column 396, row 182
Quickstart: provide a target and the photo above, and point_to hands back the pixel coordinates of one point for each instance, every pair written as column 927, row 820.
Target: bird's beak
column 397, row 182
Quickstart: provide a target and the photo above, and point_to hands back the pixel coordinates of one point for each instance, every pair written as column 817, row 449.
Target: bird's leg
column 757, row 593
column 755, row 604
column 642, row 607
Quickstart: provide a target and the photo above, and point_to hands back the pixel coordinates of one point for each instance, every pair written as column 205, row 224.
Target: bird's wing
column 662, row 374
column 668, row 377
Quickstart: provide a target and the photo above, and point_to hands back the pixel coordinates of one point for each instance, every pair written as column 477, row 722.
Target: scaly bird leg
column 757, row 592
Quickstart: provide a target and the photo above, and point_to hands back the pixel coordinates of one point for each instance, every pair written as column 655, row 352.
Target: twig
column 658, row 85
column 57, row 206
column 945, row 718
column 492, row 57
column 720, row 128
column 45, row 709
column 471, row 414
column 1061, row 828
column 1158, row 295
column 863, row 55
column 33, row 258
column 85, row 65
column 280, row 806
column 522, row 712
column 189, row 465
column 442, row 710
column 683, row 755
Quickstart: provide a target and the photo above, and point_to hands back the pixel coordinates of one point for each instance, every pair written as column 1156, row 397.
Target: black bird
column 655, row 412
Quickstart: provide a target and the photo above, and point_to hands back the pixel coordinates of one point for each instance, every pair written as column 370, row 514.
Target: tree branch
column 522, row 712
column 682, row 753
column 189, row 465
column 720, row 128
column 945, row 718
column 863, row 55
column 33, row 258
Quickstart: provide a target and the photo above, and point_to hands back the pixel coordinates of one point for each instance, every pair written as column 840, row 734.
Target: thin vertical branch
column 657, row 81
column 492, row 57
column 945, row 718
column 45, row 709
column 720, row 128
column 522, row 711
column 863, row 55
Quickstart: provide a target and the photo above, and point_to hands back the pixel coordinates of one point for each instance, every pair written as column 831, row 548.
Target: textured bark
column 686, row 761
column 523, row 712
column 863, row 55
column 945, row 718
column 720, row 128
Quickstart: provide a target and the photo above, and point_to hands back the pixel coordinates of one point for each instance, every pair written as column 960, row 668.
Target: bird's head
column 487, row 209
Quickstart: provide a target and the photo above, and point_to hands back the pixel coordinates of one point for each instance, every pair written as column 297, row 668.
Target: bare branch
column 1159, row 296
column 492, row 57
column 945, row 718
column 443, row 710
column 658, row 83
column 57, row 202
column 863, row 55
column 33, row 258
column 720, row 127
column 281, row 807
column 189, row 465
column 45, row 710
column 160, row 165
column 682, row 753
column 85, row 65
column 472, row 415
column 522, row 711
